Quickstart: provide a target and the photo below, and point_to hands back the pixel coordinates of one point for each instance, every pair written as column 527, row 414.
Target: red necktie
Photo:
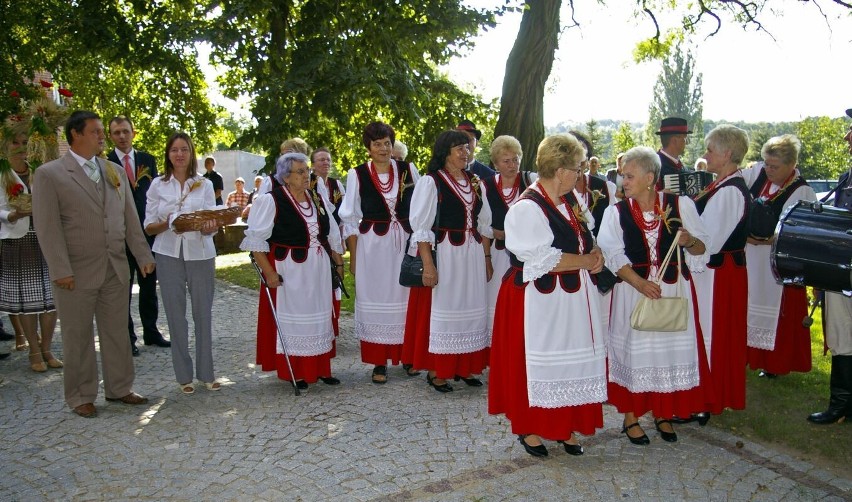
column 679, row 165
column 128, row 169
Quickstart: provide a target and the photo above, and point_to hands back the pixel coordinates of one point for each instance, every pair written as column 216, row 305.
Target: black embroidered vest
column 777, row 203
column 735, row 245
column 634, row 239
column 498, row 206
column 290, row 232
column 602, row 203
column 374, row 209
column 453, row 216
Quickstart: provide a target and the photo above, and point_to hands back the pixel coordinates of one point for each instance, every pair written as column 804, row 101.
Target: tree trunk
column 527, row 70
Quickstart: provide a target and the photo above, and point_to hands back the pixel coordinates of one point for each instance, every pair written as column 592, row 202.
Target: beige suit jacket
column 80, row 233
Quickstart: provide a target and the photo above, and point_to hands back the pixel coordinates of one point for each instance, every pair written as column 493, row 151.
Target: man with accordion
column 674, row 176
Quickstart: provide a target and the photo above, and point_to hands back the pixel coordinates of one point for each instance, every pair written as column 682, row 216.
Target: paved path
column 255, row 440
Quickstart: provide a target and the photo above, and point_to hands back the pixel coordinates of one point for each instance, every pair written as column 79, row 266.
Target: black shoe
column 443, row 388
column 572, row 449
column 669, row 437
column 641, row 440
column 301, row 384
column 535, row 451
column 135, row 350
column 471, row 382
column 409, row 370
column 4, row 355
column 330, row 380
column 677, row 420
column 380, row 375
column 766, row 374
column 162, row 342
column 840, row 399
column 702, row 418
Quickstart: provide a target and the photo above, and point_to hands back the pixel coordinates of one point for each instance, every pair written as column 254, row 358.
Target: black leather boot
column 840, row 403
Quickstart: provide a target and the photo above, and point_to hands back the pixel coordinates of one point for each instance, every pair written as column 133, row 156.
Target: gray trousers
column 175, row 275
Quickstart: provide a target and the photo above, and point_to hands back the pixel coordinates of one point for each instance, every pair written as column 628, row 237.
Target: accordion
column 687, row 182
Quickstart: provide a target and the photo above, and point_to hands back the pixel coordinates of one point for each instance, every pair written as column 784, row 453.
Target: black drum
column 813, row 247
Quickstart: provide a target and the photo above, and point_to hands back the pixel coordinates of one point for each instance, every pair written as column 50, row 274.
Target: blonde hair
column 729, row 138
column 558, row 151
column 297, row 145
column 786, row 147
column 504, row 144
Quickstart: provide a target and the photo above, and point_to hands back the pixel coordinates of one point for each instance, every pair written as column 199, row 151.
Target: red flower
column 16, row 190
column 65, row 92
column 14, row 94
column 46, row 84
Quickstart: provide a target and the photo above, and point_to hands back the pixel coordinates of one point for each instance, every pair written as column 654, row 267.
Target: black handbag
column 411, row 270
column 605, row 280
column 762, row 219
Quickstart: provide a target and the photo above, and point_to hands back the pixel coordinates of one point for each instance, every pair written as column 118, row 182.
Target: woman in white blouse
column 445, row 329
column 184, row 260
column 664, row 373
column 292, row 235
column 548, row 358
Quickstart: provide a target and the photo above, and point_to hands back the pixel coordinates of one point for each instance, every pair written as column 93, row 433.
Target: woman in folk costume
column 292, row 234
column 720, row 277
column 664, row 373
column 500, row 192
column 375, row 226
column 548, row 358
column 778, row 343
column 445, row 330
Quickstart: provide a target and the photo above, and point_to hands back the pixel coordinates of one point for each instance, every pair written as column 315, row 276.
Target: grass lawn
column 775, row 411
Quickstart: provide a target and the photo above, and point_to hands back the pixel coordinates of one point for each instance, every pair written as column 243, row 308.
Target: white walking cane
column 265, row 286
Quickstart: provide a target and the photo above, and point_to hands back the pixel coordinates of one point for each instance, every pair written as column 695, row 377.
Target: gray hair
column 644, row 157
column 400, row 149
column 284, row 164
column 730, row 138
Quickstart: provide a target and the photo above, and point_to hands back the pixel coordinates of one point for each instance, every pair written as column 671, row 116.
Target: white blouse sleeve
column 350, row 211
column 265, row 186
column 529, row 238
column 483, row 224
column 334, row 240
column 720, row 217
column 153, row 211
column 611, row 240
column 260, row 222
column 612, row 191
column 802, row 193
column 413, row 173
column 693, row 224
column 424, row 206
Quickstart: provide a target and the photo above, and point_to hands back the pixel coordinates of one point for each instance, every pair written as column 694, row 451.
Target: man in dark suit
column 672, row 133
column 85, row 218
column 141, row 169
column 475, row 167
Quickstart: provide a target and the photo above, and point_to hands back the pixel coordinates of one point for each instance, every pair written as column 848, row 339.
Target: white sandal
column 186, row 388
column 214, row 385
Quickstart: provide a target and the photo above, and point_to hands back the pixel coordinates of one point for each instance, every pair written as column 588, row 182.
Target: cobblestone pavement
column 256, row 440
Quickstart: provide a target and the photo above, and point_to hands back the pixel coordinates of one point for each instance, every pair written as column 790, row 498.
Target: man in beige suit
column 84, row 213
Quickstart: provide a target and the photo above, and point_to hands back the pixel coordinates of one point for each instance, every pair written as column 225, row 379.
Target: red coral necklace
column 513, row 193
column 639, row 217
column 383, row 187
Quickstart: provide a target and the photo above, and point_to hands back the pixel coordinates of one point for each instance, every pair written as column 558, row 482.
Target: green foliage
column 677, row 93
column 824, row 154
column 623, row 139
column 323, row 69
column 594, row 135
column 131, row 58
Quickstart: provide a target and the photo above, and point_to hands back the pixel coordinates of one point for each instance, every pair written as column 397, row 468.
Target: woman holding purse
column 665, row 373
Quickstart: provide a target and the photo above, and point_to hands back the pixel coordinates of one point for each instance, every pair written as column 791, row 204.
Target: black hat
column 673, row 125
column 468, row 126
column 849, row 113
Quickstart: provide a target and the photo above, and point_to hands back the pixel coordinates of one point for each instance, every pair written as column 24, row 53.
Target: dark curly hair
column 378, row 130
column 586, row 143
column 445, row 142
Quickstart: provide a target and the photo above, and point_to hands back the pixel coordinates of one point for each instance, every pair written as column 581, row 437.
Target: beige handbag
column 666, row 314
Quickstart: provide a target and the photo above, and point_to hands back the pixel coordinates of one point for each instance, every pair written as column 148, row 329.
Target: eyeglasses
column 300, row 172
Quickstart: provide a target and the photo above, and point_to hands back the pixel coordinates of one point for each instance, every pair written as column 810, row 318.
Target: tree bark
column 527, row 70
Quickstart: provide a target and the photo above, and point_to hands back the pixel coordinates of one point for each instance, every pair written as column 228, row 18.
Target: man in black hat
column 837, row 322
column 474, row 167
column 672, row 133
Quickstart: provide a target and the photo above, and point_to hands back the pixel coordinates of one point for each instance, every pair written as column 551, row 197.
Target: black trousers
column 148, row 304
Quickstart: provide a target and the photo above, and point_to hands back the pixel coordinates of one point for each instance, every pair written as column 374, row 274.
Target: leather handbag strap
column 659, row 277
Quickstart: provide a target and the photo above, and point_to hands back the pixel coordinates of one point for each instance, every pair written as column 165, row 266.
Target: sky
column 805, row 71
